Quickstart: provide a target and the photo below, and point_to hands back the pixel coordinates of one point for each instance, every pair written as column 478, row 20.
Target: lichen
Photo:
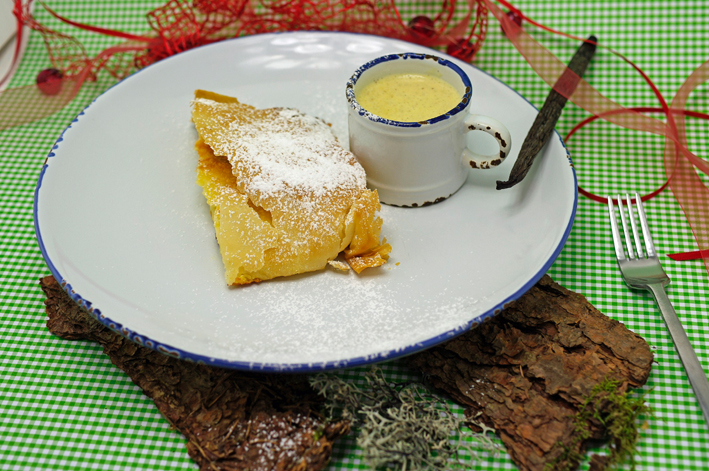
column 402, row 426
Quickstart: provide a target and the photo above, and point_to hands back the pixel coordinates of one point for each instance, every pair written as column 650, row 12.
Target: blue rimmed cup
column 415, row 164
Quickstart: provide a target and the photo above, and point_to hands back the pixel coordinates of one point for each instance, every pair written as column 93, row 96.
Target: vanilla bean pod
column 545, row 121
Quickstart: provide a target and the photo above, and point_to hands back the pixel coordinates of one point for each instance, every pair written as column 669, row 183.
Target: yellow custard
column 408, row 97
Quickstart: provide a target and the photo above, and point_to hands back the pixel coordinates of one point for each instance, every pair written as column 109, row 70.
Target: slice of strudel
column 284, row 196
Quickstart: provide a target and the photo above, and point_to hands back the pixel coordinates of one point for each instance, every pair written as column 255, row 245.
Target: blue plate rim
column 295, row 367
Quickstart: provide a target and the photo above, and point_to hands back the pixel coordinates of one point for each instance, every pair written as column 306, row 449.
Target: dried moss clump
column 619, row 412
column 402, row 425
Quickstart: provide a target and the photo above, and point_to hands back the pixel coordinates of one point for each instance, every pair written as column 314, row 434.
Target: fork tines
column 624, row 218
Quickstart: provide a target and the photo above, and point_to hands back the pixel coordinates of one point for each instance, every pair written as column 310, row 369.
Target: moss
column 318, row 433
column 618, row 412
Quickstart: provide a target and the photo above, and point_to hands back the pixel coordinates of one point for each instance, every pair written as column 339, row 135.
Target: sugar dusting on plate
column 321, row 318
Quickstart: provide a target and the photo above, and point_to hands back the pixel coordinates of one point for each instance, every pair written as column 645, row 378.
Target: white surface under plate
column 122, row 223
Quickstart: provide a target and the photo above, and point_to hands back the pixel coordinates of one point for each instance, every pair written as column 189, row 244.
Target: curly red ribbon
column 680, row 163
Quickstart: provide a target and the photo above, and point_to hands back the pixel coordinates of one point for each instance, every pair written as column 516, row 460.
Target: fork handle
column 695, row 372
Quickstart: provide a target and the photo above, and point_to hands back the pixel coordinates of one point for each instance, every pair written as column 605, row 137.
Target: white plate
column 122, row 223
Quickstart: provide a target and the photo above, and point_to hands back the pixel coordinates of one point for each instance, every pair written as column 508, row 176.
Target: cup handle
column 476, row 122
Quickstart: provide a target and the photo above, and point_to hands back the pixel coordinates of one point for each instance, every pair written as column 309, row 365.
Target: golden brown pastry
column 285, row 197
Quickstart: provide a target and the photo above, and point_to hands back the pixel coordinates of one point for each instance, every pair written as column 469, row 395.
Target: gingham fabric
column 63, row 405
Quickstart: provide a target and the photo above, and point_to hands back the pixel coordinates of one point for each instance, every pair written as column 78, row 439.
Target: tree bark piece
column 232, row 420
column 527, row 371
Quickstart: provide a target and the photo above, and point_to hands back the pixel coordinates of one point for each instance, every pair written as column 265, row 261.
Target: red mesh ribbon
column 179, row 25
column 691, row 193
column 26, row 104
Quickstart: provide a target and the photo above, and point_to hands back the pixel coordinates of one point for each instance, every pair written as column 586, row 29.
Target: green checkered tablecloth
column 63, row 405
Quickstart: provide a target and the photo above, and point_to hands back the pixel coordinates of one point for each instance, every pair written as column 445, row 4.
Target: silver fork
column 645, row 272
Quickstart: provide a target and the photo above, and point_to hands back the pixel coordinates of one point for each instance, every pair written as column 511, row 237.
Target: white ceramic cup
column 415, row 164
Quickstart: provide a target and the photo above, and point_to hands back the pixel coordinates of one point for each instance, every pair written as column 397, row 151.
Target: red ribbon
column 642, row 109
column 684, row 256
column 96, row 29
column 179, row 25
column 680, row 163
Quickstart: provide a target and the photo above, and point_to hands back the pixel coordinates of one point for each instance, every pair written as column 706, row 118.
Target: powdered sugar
column 334, row 315
column 288, row 151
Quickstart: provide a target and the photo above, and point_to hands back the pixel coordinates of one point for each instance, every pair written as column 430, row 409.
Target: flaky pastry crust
column 284, row 196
